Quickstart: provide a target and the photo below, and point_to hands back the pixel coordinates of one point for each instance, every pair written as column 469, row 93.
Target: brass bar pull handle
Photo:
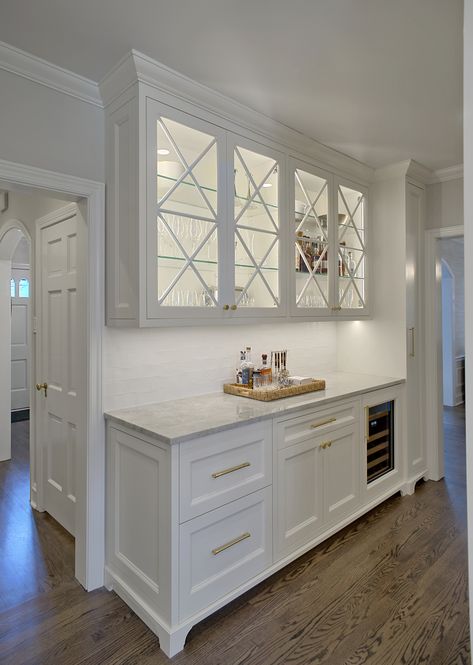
column 322, row 422
column 412, row 335
column 235, row 541
column 224, row 472
column 325, row 444
column 40, row 386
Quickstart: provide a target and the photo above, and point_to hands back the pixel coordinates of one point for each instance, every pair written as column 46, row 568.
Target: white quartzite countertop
column 191, row 417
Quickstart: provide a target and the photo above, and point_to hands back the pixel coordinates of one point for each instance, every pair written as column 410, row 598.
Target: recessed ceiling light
column 267, row 184
column 163, row 151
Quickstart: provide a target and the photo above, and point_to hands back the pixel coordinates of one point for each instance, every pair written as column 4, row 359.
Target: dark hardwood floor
column 390, row 589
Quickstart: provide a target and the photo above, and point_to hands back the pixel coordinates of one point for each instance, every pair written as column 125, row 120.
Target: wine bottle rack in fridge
column 379, row 440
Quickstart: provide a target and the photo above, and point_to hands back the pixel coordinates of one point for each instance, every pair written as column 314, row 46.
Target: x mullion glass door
column 186, row 182
column 256, row 220
column 352, row 245
column 311, row 233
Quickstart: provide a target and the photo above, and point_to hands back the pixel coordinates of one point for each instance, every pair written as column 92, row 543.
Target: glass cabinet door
column 185, row 249
column 311, row 231
column 352, row 292
column 256, row 227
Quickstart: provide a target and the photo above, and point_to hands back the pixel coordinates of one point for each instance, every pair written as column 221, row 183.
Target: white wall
column 378, row 346
column 48, row 129
column 154, row 365
column 468, row 198
column 445, row 204
column 452, row 251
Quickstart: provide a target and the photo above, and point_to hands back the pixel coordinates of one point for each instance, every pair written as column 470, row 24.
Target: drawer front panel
column 223, row 549
column 223, row 467
column 317, row 422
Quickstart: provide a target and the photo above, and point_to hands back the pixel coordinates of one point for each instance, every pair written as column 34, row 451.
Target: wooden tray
column 277, row 393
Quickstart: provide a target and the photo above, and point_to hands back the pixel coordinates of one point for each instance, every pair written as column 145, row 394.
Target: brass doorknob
column 225, row 307
column 40, row 386
column 233, row 307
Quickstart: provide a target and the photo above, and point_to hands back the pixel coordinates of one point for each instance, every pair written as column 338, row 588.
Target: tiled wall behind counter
column 156, row 365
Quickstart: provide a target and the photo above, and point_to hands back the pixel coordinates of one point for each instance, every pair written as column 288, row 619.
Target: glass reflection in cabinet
column 187, row 218
column 351, row 248
column 311, row 240
column 256, row 213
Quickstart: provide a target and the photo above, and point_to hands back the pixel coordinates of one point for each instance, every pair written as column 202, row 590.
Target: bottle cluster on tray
column 264, row 376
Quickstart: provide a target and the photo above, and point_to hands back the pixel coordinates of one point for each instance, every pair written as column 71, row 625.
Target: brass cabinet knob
column 225, row 307
column 233, row 307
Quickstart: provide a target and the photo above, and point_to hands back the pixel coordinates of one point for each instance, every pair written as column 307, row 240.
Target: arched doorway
column 12, row 233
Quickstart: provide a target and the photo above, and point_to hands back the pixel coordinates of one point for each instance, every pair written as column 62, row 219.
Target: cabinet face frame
column 354, row 312
column 154, row 310
column 238, row 141
column 295, row 311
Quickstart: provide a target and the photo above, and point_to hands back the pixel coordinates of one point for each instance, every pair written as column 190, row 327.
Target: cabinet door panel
column 415, row 202
column 351, row 291
column 299, row 496
column 255, row 209
column 341, row 468
column 312, row 235
column 186, row 186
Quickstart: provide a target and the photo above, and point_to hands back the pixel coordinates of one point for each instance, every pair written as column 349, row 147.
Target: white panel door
column 60, row 356
column 20, row 299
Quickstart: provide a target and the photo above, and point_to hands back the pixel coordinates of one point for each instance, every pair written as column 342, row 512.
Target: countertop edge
column 112, row 416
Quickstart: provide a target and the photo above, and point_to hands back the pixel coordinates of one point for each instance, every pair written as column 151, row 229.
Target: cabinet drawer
column 222, row 549
column 223, row 467
column 317, row 422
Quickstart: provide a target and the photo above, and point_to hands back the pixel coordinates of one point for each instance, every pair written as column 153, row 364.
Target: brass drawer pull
column 322, row 422
column 235, row 541
column 217, row 474
column 325, row 444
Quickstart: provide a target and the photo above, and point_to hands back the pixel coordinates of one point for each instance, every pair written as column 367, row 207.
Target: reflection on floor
column 390, row 589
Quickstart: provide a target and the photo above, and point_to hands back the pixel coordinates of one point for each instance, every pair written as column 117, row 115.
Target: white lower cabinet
column 193, row 525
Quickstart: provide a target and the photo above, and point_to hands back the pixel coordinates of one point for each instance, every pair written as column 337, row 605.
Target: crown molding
column 408, row 168
column 444, row 175
column 41, row 71
column 136, row 67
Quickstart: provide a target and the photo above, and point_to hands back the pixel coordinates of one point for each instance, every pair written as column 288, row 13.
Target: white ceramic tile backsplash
column 143, row 366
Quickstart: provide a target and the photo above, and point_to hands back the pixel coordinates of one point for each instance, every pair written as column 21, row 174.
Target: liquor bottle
column 239, row 371
column 247, row 369
column 265, row 371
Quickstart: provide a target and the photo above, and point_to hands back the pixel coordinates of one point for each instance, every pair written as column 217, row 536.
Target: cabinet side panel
column 138, row 519
column 122, row 215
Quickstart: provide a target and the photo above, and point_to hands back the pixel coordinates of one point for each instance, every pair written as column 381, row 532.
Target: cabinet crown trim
column 138, row 67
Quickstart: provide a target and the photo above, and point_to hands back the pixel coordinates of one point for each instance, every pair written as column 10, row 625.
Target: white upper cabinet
column 209, row 217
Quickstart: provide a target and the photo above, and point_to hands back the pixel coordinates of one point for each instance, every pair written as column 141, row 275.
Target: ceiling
column 380, row 80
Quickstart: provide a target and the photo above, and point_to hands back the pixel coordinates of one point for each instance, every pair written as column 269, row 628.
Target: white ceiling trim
column 408, row 168
column 450, row 173
column 41, row 71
